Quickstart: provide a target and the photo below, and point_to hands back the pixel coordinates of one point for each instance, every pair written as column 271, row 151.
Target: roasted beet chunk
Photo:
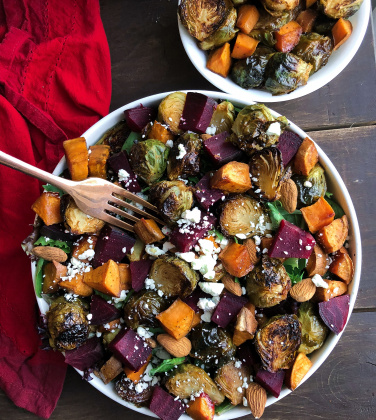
column 197, row 113
column 165, row 406
column 334, row 312
column 205, row 195
column 119, row 163
column 272, row 382
column 139, row 272
column 101, row 311
column 138, row 118
column 288, row 144
column 57, row 232
column 194, row 297
column 86, row 355
column 227, row 309
column 220, row 150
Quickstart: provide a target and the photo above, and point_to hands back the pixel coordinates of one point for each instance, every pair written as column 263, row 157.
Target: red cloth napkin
column 55, row 82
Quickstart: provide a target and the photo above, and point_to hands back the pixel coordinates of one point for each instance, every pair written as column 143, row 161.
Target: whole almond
column 252, row 250
column 289, row 195
column 178, row 348
column 50, row 253
column 256, row 398
column 151, row 342
column 231, row 285
column 303, row 291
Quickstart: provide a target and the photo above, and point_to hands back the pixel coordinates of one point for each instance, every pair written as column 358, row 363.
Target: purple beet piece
column 165, row 406
column 137, row 118
column 334, row 312
column 120, row 161
column 272, row 382
column 197, row 113
column 130, row 348
column 193, row 298
column 288, row 144
column 139, row 272
column 185, row 237
column 113, row 243
column 205, row 195
column 220, row 150
column 247, row 354
column 58, row 232
column 291, row 242
column 227, row 309
column 102, row 311
column 86, row 355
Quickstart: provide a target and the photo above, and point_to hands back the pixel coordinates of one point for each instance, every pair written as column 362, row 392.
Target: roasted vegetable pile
column 247, row 277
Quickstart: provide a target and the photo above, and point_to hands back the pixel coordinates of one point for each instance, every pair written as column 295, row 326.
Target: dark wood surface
column 147, row 58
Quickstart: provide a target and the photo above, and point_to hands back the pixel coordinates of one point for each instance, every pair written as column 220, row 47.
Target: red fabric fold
column 55, row 82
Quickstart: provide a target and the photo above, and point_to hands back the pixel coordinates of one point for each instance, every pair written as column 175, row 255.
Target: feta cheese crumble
column 319, row 282
column 214, row 289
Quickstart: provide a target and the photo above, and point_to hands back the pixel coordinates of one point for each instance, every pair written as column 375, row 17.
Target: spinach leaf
column 193, row 179
column 39, row 277
column 224, row 407
column 167, row 365
column 156, row 330
column 295, row 268
column 217, row 233
column 52, row 188
column 336, row 207
column 65, row 246
column 328, row 194
column 130, row 140
column 278, row 213
column 103, row 295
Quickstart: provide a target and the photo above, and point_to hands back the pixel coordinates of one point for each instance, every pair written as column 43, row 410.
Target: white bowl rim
column 107, row 122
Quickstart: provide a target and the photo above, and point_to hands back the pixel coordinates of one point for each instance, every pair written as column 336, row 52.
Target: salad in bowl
column 232, row 302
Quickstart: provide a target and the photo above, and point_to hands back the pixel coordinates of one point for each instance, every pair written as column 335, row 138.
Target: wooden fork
column 94, row 196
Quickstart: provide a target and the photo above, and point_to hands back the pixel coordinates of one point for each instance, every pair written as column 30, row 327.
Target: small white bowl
column 335, row 185
column 337, row 62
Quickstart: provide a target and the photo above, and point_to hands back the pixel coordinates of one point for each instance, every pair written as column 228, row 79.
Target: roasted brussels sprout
column 184, row 156
column 278, row 341
column 148, row 159
column 142, row 308
column 67, row 324
column 266, row 38
column 210, row 342
column 243, row 215
column 127, row 391
column 115, row 137
column 314, row 49
column 271, row 21
column 285, row 72
column 203, row 17
column 187, row 380
column 230, row 379
column 173, row 276
column 314, row 331
column 340, row 8
column 266, row 168
column 279, row 6
column 171, row 198
column 311, row 187
column 268, row 284
column 170, row 111
column 108, row 336
column 223, row 117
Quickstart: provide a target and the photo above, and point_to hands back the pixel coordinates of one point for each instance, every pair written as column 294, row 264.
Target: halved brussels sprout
column 171, row 198
column 279, row 6
column 203, row 17
column 270, row 21
column 170, row 111
column 223, row 117
column 148, row 159
column 108, row 336
column 230, row 379
column 187, row 380
column 266, row 168
column 311, row 187
column 128, row 392
column 314, row 49
column 268, row 283
column 173, row 276
column 278, row 341
column 243, row 215
column 340, row 8
column 314, row 331
column 285, row 72
column 115, row 137
column 266, row 38
column 184, row 156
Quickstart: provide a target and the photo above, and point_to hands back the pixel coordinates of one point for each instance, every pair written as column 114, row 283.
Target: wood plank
column 148, row 57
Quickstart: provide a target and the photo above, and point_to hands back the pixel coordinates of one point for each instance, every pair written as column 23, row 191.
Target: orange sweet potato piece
column 77, row 286
column 305, row 158
column 317, row 262
column 288, row 36
column 266, row 243
column 125, row 277
column 105, row 279
column 148, row 231
column 196, row 320
column 318, row 215
column 335, row 288
column 201, row 408
column 341, row 31
column 219, row 60
column 306, row 19
column 111, row 325
column 245, row 326
column 333, row 236
column 342, row 265
column 248, row 15
column 47, row 207
column 232, row 177
column 136, row 376
column 110, row 370
column 236, row 260
column 244, row 46
column 160, row 132
column 82, row 245
column 98, row 156
column 298, row 371
column 177, row 319
column 77, row 157
column 52, row 273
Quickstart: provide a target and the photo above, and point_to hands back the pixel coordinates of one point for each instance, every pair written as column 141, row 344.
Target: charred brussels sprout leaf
column 278, row 341
column 223, row 117
column 314, row 331
column 285, row 72
column 268, row 284
column 230, row 378
column 127, row 391
column 340, row 8
column 148, row 159
column 279, row 6
column 170, row 111
column 271, row 22
column 265, row 37
column 116, row 136
column 311, row 187
column 171, row 198
column 323, row 25
column 314, row 49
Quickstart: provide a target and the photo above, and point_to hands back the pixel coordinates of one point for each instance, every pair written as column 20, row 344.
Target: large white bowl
column 337, row 62
column 335, row 185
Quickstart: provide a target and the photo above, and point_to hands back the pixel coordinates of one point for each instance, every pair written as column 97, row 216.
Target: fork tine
column 133, row 197
column 114, row 221
column 122, row 213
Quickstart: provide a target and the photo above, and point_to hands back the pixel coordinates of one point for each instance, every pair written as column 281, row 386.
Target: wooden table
column 147, row 58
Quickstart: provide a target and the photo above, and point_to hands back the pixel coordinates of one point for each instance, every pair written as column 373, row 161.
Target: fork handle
column 28, row 169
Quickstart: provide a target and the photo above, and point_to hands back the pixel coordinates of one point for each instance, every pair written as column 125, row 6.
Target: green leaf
column 145, row 189
column 336, row 207
column 236, row 280
column 129, row 295
column 237, row 109
column 217, row 233
column 167, row 365
column 43, row 241
column 52, row 188
column 39, row 277
column 278, row 213
column 295, row 268
column 236, row 240
column 193, row 179
column 224, row 407
column 156, row 330
column 103, row 295
column 328, row 194
column 130, row 140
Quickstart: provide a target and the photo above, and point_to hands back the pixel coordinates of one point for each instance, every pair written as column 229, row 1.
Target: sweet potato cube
column 105, row 279
column 135, row 376
column 305, row 158
column 244, row 46
column 219, row 60
column 177, row 319
column 248, row 15
column 317, row 262
column 148, row 231
column 196, row 320
column 232, row 177
column 318, row 215
column 160, row 132
column 298, row 371
column 52, row 273
column 77, row 157
column 82, row 246
column 335, row 288
column 47, row 207
column 288, row 36
column 108, row 326
column 245, row 326
column 236, row 260
column 110, row 370
column 125, row 277
column 266, row 243
column 98, row 156
column 306, row 19
column 77, row 286
column 333, row 236
column 201, row 408
column 342, row 265
column 341, row 31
